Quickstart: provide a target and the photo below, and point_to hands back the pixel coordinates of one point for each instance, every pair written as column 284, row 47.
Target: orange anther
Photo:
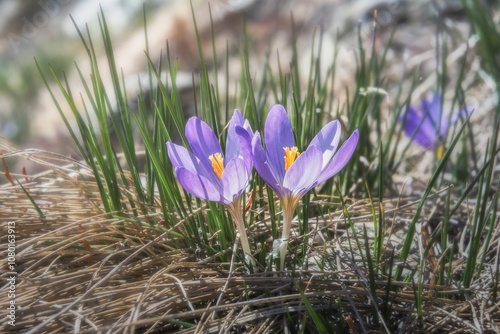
column 217, row 164
column 290, row 155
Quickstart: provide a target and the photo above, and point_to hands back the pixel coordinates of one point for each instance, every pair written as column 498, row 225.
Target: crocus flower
column 209, row 174
column 292, row 174
column 427, row 125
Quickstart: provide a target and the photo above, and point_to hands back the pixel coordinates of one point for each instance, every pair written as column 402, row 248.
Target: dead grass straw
column 81, row 272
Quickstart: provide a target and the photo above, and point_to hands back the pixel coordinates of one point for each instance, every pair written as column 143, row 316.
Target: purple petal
column 453, row 119
column 232, row 142
column 278, row 134
column 181, row 157
column 262, row 166
column 328, row 140
column 434, row 111
column 421, row 129
column 247, row 127
column 432, row 108
column 444, row 128
column 461, row 114
column 234, row 180
column 198, row 185
column 340, row 159
column 304, row 171
column 237, row 116
column 245, row 140
column 202, row 140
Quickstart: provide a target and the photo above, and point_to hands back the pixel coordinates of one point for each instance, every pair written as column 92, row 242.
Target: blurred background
column 44, row 30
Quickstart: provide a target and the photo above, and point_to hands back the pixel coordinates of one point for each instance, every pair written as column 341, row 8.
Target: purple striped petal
column 202, row 140
column 181, row 157
column 245, row 140
column 278, row 134
column 340, row 159
column 247, row 127
column 303, row 173
column 262, row 166
column 232, row 142
column 198, row 185
column 234, row 180
column 327, row 140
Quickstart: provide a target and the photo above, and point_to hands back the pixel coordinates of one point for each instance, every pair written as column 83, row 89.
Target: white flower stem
column 288, row 205
column 237, row 215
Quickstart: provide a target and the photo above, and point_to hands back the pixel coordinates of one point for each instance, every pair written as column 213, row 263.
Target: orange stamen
column 290, row 155
column 217, row 164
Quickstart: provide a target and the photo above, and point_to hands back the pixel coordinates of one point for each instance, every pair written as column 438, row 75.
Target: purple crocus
column 426, row 125
column 208, row 174
column 292, row 174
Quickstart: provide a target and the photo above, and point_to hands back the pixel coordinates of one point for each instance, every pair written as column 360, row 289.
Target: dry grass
column 79, row 271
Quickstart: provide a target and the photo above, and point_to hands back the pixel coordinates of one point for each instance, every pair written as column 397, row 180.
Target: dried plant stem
column 6, row 173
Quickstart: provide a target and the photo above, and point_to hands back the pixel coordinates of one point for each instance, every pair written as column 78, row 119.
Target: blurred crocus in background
column 209, row 174
column 292, row 174
column 427, row 125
